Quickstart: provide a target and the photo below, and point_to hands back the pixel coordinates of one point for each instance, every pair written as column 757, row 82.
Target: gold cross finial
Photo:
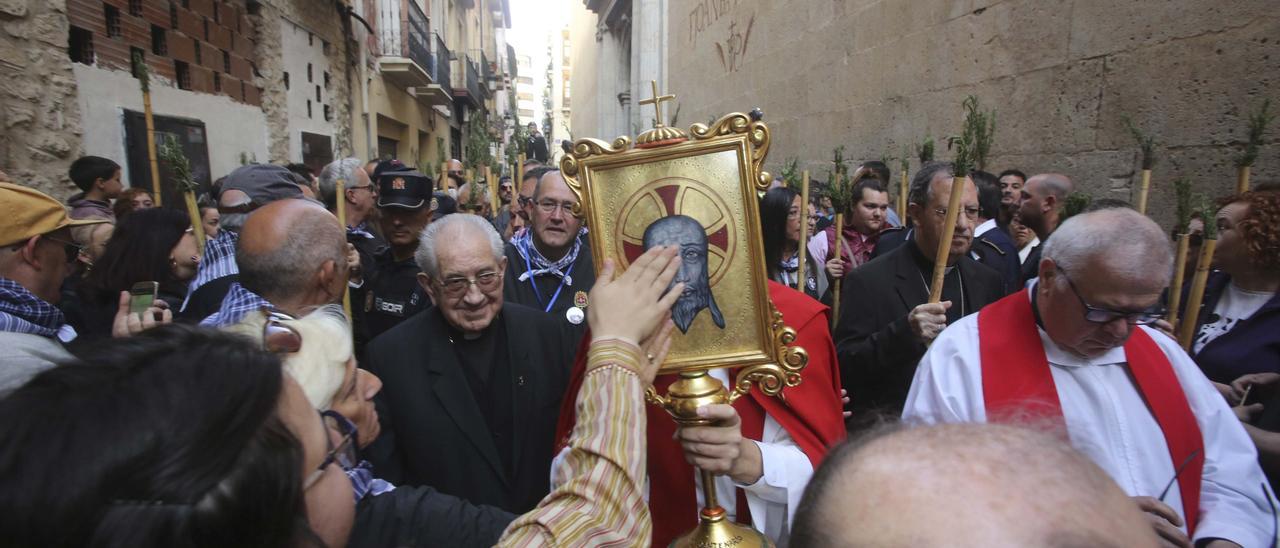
column 656, row 101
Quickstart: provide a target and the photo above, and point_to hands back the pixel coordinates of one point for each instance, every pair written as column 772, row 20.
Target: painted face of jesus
column 687, row 234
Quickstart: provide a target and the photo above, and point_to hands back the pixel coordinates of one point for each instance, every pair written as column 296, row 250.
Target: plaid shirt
column 23, row 312
column 238, row 303
column 219, row 261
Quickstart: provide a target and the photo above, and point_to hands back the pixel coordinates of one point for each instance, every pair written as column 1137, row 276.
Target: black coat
column 433, row 431
column 996, row 250
column 877, row 350
column 516, row 291
column 422, row 516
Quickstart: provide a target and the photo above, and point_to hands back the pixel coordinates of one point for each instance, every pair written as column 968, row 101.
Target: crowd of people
column 440, row 373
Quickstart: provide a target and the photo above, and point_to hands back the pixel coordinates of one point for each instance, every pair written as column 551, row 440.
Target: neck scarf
column 539, row 265
column 23, row 312
column 361, row 230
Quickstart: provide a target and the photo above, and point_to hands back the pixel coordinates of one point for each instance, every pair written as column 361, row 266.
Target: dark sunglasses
column 72, row 249
column 279, row 338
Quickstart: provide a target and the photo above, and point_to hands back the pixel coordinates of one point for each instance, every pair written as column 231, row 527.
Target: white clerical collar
column 1057, row 356
column 984, row 227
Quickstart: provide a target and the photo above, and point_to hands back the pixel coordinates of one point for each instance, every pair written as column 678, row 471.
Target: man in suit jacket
column 992, row 245
column 471, row 386
column 885, row 320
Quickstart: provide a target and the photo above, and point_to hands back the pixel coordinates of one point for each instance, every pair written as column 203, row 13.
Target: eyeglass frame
column 1146, row 317
column 68, row 247
column 273, row 322
column 335, row 453
column 942, row 212
column 551, row 207
column 469, row 281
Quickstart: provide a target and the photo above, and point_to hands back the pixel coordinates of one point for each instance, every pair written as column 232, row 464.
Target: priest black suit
column 491, row 446
column 877, row 350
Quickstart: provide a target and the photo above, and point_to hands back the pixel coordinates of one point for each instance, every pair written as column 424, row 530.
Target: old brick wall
column 878, row 75
column 37, row 96
column 324, row 20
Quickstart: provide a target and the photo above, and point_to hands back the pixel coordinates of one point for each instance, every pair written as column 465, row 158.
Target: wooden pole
column 801, row 281
column 492, row 186
column 341, row 205
column 197, row 224
column 1242, row 180
column 151, row 148
column 471, row 178
column 835, row 252
column 444, row 174
column 944, row 243
column 1143, row 191
column 1179, row 276
column 902, row 198
column 1187, row 331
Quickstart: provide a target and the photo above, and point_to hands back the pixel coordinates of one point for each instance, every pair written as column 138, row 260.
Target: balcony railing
column 486, row 70
column 444, row 72
column 474, row 84
column 407, row 37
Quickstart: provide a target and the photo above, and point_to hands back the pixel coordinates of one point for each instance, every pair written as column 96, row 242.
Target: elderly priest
column 1072, row 353
column 471, row 386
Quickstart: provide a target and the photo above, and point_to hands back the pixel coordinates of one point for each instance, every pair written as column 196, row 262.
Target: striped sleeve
column 599, row 501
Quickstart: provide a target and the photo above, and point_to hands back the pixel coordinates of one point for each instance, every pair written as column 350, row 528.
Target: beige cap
column 26, row 212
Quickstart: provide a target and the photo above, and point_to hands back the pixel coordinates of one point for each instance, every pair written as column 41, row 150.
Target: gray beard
column 688, row 306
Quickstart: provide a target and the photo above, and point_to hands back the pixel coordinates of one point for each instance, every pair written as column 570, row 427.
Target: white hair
column 1131, row 245
column 344, row 169
column 320, row 365
column 451, row 228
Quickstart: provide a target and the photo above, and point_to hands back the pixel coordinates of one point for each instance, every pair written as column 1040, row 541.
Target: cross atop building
column 656, row 101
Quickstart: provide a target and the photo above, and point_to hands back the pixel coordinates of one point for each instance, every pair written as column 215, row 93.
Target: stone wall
column 38, row 110
column 880, row 75
column 324, row 20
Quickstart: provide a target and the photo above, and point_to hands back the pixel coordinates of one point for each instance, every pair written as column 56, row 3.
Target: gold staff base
column 695, row 389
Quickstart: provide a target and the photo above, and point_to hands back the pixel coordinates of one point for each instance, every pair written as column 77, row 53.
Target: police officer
column 392, row 293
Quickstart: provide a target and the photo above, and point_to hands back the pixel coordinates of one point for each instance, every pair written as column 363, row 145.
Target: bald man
column 473, row 199
column 1040, row 209
column 457, row 177
column 292, row 256
column 1074, row 349
column 965, row 485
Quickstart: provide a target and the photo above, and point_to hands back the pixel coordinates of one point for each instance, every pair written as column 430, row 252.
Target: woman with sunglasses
column 149, row 245
column 316, row 351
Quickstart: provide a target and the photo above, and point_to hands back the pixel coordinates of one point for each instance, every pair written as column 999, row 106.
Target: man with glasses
column 1073, row 350
column 885, row 319
column 471, row 386
column 360, row 196
column 35, row 253
column 549, row 266
column 392, row 293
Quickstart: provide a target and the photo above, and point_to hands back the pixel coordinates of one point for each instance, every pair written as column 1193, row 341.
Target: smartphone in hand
column 142, row 296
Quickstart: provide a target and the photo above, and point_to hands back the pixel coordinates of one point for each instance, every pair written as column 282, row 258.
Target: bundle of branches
column 976, row 135
column 791, row 172
column 170, row 152
column 1258, row 123
column 839, row 187
column 1077, row 202
column 1196, row 296
column 1182, row 221
column 1257, row 127
column 1145, row 142
column 924, row 150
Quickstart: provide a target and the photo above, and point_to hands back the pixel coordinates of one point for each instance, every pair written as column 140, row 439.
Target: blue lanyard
column 534, row 282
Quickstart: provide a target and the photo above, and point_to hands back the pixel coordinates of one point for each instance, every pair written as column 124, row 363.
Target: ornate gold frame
column 583, row 168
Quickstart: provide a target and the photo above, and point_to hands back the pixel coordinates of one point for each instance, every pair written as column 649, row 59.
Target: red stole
column 1017, row 383
column 810, row 413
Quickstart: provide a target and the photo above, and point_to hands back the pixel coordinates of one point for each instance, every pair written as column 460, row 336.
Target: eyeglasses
column 970, row 213
column 279, row 338
column 524, row 200
column 471, row 207
column 1095, row 314
column 457, row 286
column 72, row 249
column 549, row 207
column 343, row 453
column 371, row 188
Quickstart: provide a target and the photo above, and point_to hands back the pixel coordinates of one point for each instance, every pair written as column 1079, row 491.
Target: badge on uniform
column 575, row 314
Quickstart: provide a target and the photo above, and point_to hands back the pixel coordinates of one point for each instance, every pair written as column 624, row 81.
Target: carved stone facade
column 878, row 76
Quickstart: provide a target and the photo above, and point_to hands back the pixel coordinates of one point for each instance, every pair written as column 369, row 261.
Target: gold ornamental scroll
column 699, row 190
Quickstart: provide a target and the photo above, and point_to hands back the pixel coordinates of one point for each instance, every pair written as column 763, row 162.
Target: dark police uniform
column 391, row 292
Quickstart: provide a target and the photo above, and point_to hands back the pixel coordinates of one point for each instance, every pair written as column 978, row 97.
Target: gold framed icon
column 698, row 190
